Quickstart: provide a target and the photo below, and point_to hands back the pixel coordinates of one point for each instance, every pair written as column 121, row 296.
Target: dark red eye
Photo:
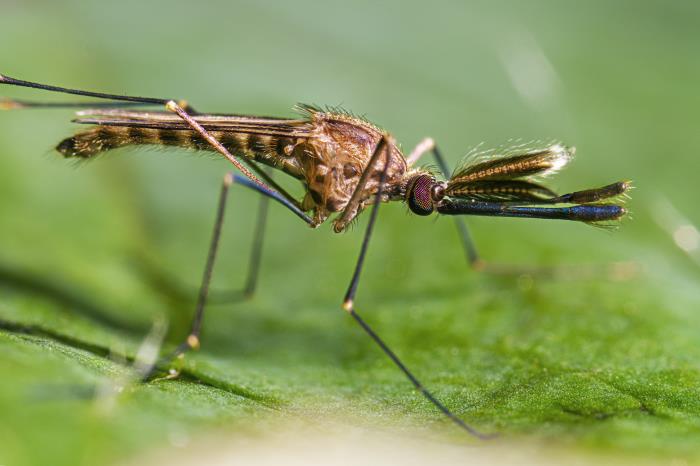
column 418, row 195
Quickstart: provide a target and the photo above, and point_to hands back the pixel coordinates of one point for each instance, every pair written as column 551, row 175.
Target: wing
column 258, row 139
column 293, row 128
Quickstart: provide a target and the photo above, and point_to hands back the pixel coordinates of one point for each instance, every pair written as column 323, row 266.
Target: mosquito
column 345, row 165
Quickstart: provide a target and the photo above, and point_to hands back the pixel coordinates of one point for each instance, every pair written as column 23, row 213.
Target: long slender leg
column 428, row 145
column 4, row 79
column 266, row 175
column 181, row 108
column 16, row 104
column 176, row 108
column 348, row 304
column 171, row 105
column 178, row 292
column 253, row 261
column 193, row 338
column 351, row 208
column 464, row 235
column 256, row 251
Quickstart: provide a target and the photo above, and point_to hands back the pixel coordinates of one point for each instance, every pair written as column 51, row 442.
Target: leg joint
column 193, row 341
column 228, row 179
column 172, row 106
column 348, row 305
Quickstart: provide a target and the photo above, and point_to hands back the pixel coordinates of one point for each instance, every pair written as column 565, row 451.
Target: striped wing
column 259, row 139
column 293, row 128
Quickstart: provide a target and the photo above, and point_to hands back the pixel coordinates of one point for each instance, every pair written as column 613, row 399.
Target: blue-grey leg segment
column 242, row 180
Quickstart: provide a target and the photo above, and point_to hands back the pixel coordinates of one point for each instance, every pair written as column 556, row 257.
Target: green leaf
column 596, row 361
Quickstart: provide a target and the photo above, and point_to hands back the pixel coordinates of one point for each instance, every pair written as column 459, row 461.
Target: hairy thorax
column 333, row 161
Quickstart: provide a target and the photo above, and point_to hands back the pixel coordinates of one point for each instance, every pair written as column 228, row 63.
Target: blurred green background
column 596, row 365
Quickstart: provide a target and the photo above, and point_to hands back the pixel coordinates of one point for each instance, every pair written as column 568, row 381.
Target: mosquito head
column 423, row 192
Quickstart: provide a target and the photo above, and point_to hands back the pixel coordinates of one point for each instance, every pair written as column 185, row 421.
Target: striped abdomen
column 269, row 149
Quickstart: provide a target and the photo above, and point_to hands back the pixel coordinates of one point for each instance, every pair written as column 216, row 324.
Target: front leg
column 353, row 206
column 428, row 145
column 349, row 303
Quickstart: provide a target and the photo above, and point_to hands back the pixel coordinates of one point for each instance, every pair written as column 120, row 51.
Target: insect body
column 327, row 151
column 345, row 164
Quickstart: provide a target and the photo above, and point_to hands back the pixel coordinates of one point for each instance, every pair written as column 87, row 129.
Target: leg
column 180, row 111
column 350, row 210
column 169, row 286
column 177, row 292
column 348, row 305
column 100, row 95
column 256, row 251
column 424, row 146
column 171, row 105
column 253, row 261
column 193, row 338
column 16, row 104
column 466, row 238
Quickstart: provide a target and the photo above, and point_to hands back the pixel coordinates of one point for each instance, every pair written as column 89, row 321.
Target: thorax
column 333, row 160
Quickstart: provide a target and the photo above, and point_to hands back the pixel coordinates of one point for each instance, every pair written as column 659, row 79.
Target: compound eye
column 419, row 195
